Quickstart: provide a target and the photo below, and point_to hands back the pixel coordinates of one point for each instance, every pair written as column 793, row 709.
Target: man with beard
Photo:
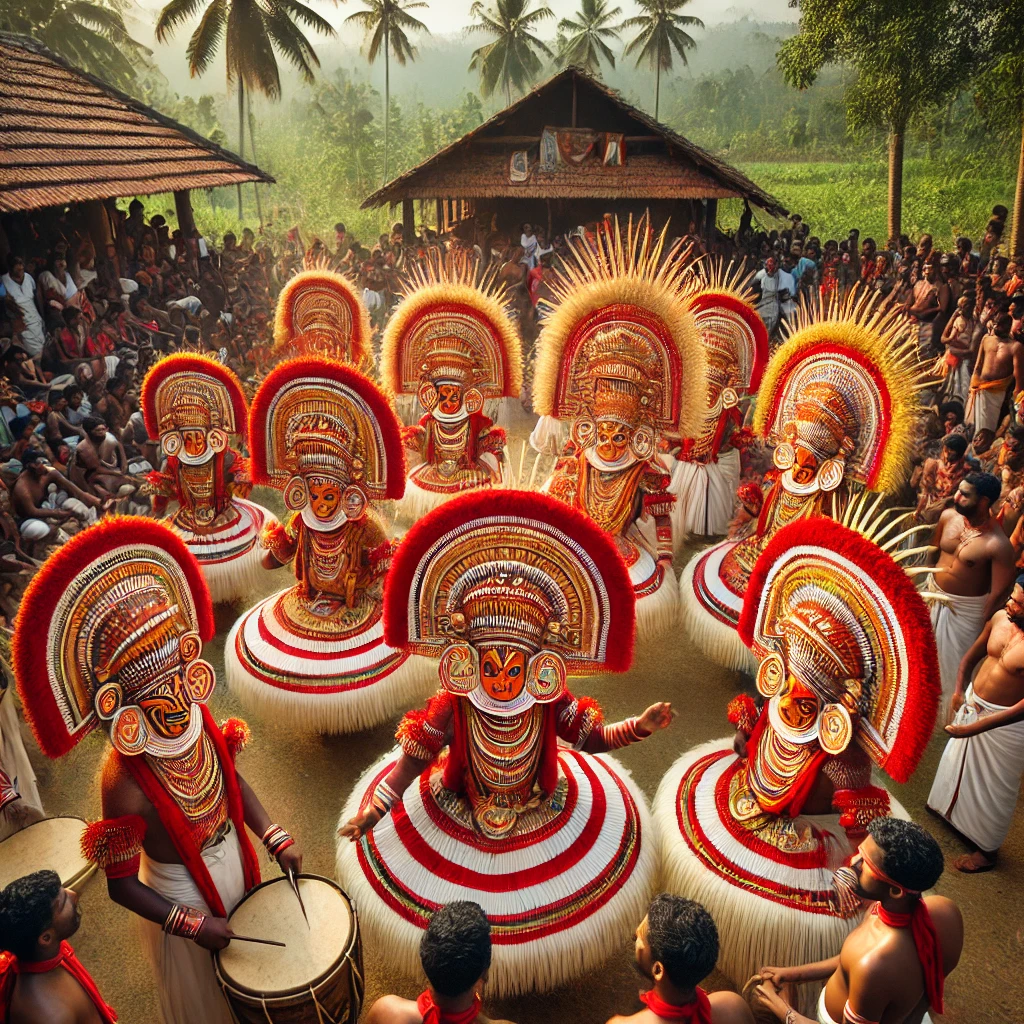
column 99, row 464
column 975, row 570
column 893, row 965
column 979, row 776
column 940, row 479
column 998, row 367
column 769, row 281
column 37, row 916
column 676, row 949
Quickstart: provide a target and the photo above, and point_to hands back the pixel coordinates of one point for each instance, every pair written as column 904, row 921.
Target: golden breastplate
column 196, row 784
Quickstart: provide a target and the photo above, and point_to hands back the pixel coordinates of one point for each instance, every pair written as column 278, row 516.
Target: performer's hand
column 766, row 996
column 961, row 732
column 360, row 824
column 657, row 716
column 290, row 859
column 956, row 702
column 214, row 933
column 778, row 976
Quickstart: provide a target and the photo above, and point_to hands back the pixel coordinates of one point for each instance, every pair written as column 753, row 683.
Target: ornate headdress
column 319, row 312
column 846, row 381
column 118, row 606
column 517, row 569
column 833, row 607
column 313, row 415
column 185, row 390
column 451, row 326
column 619, row 315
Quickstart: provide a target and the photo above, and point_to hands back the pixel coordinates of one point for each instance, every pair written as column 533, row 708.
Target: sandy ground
column 304, row 781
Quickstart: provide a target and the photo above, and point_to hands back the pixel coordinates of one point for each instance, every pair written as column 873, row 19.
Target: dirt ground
column 304, row 781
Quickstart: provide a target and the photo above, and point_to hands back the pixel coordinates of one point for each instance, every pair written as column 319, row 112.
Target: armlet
column 115, row 844
column 276, row 539
column 578, row 719
column 658, row 503
column 161, row 483
column 419, row 733
column 491, row 441
column 742, row 712
column 412, row 437
column 236, row 735
column 859, row 807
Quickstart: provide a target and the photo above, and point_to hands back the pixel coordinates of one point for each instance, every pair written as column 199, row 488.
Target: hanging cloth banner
column 614, row 149
column 519, row 166
column 548, row 150
column 575, row 145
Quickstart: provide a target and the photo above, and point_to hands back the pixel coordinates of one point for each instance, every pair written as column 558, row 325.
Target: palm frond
column 176, row 13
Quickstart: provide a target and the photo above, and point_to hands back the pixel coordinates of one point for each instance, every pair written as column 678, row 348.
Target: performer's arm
column 279, row 843
column 1004, row 571
column 632, row 730
column 1008, row 716
column 768, row 994
column 280, row 545
column 970, row 661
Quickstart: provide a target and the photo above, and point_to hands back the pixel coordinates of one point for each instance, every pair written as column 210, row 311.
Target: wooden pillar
column 408, row 220
column 710, row 218
column 183, row 208
column 438, row 216
column 574, row 100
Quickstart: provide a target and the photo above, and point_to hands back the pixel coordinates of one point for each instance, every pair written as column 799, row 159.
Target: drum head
column 271, row 911
column 54, row 843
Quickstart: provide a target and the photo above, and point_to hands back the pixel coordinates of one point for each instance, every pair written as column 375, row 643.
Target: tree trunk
column 1017, row 238
column 657, row 89
column 252, row 149
column 387, row 99
column 241, row 135
column 895, row 182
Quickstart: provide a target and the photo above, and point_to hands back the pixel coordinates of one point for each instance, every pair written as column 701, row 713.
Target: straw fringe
column 720, row 642
column 658, row 612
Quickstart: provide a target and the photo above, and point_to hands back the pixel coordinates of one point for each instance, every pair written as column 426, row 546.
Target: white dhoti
column 824, row 1017
column 188, row 988
column 958, row 622
column 15, row 764
column 983, row 407
column 978, row 778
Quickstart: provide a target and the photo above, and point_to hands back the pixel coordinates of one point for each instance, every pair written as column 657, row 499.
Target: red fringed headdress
column 52, row 650
column 311, row 397
column 817, row 569
column 743, row 330
column 185, row 379
column 525, row 538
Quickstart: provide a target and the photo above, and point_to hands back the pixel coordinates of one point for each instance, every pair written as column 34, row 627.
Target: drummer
column 456, row 954
column 37, row 917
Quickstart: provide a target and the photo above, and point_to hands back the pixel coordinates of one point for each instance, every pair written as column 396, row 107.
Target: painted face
column 798, row 706
column 449, row 398
column 770, row 266
column 805, row 466
column 502, row 673
column 194, row 442
column 612, row 440
column 324, row 497
column 166, row 704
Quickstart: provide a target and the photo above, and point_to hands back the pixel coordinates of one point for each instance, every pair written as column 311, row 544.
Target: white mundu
column 978, row 778
column 958, row 622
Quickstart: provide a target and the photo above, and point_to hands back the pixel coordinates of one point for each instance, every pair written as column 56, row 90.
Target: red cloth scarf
column 697, row 1012
column 10, row 966
column 433, row 1014
column 929, row 948
column 177, row 825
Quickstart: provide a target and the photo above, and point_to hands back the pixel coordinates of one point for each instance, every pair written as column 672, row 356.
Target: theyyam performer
column 313, row 655
column 499, row 791
column 452, row 345
column 705, row 467
column 194, row 405
column 319, row 312
column 110, row 633
column 620, row 359
column 837, row 405
column 753, row 826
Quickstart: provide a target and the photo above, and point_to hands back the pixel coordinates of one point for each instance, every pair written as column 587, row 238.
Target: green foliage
column 583, row 39
column 661, row 31
column 512, row 59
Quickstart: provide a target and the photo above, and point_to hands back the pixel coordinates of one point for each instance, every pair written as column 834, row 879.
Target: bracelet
column 384, row 798
column 184, row 921
column 277, row 840
column 622, row 734
column 791, row 1016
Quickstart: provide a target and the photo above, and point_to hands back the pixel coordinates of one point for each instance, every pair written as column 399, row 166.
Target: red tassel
column 859, row 807
column 742, row 712
column 236, row 735
column 186, row 362
column 411, row 735
column 115, row 844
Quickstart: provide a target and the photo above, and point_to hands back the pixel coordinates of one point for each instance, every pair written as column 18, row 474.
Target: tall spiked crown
column 118, row 608
column 316, row 415
column 849, row 367
column 320, row 312
column 184, row 390
column 830, row 603
column 453, row 324
column 619, row 313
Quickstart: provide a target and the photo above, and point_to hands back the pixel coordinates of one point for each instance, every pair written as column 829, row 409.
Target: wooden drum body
column 317, row 978
column 53, row 843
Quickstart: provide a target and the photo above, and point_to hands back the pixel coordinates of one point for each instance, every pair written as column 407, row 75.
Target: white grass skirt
column 562, row 894
column 321, row 685
column 769, row 906
column 418, row 501
column 231, row 558
column 657, row 596
column 711, row 610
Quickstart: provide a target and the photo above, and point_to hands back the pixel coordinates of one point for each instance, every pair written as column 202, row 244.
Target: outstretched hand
column 657, row 716
column 358, row 826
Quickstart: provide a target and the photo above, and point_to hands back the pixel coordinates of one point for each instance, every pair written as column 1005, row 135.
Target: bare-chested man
column 41, row 979
column 978, row 778
column 893, row 965
column 999, row 365
column 976, row 570
column 456, row 955
column 929, row 300
column 99, row 464
column 940, row 479
column 676, row 949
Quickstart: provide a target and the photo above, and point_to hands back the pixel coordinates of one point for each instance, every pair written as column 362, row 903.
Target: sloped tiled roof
column 66, row 136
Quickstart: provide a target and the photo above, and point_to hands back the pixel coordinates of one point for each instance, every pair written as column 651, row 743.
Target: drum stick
column 263, row 942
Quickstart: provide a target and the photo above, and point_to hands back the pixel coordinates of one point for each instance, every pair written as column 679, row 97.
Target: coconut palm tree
column 511, row 59
column 90, row 34
column 386, row 23
column 582, row 39
column 661, row 30
column 253, row 32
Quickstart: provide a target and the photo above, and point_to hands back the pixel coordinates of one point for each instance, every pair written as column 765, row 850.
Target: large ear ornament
column 296, row 496
column 128, row 730
column 353, row 500
column 459, row 668
column 200, row 681
column 171, row 443
column 473, row 401
column 217, row 440
column 835, row 729
column 830, row 474
column 784, row 456
column 771, row 674
column 642, row 443
column 545, row 676
column 584, row 431
column 109, row 698
column 427, row 395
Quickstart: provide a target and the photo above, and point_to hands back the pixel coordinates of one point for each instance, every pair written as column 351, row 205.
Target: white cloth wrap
column 15, row 763
column 978, row 778
column 824, row 1017
column 957, row 622
column 983, row 408
column 187, row 985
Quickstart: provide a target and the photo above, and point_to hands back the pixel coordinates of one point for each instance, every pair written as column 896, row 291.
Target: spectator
column 21, row 300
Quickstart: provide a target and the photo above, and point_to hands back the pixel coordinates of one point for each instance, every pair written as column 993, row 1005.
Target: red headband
column 883, row 876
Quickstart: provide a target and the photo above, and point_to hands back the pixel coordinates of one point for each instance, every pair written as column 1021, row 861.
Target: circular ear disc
column 171, row 443
column 108, row 699
column 835, row 729
column 642, row 442
column 771, row 674
column 458, row 668
column 584, row 431
column 545, row 676
column 784, row 456
column 830, row 474
column 427, row 395
column 295, row 494
column 189, row 645
column 729, row 398
column 128, row 731
column 200, row 681
column 217, row 440
column 473, row 401
column 354, row 502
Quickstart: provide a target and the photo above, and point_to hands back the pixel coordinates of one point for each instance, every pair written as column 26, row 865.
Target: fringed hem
column 354, row 710
column 658, row 612
column 418, row 501
column 719, row 641
column 408, row 409
column 539, row 965
column 236, row 579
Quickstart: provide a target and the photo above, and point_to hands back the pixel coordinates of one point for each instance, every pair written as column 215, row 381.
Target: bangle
column 184, row 921
column 277, row 840
column 384, row 798
column 791, row 1016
